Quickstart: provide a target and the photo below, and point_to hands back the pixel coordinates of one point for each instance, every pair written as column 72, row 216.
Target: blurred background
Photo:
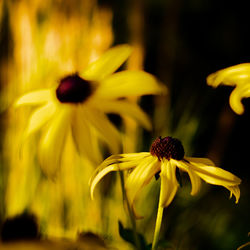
column 181, row 43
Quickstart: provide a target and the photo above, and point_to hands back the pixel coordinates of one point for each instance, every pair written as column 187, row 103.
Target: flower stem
column 158, row 223
column 131, row 216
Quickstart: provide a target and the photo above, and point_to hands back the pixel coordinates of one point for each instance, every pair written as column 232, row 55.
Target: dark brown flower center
column 167, row 148
column 73, row 89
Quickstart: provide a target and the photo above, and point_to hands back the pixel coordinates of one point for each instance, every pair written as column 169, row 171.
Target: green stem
column 131, row 216
column 158, row 224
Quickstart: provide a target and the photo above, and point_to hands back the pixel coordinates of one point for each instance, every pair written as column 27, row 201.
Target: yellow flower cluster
column 78, row 107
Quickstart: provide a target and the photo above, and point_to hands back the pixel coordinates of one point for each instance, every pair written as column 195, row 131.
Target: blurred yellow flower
column 238, row 76
column 79, row 103
column 165, row 155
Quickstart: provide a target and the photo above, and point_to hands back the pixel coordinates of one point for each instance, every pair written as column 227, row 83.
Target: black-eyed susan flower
column 78, row 106
column 238, row 76
column 166, row 154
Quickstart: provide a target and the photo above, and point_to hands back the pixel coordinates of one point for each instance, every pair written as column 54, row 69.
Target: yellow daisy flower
column 166, row 154
column 78, row 106
column 238, row 76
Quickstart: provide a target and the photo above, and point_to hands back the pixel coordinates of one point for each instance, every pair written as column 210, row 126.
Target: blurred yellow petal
column 126, row 108
column 108, row 63
column 234, row 75
column 83, row 138
column 129, row 83
column 140, row 177
column 239, row 76
column 106, row 130
column 35, row 98
column 40, row 117
column 52, row 143
column 237, row 95
column 169, row 184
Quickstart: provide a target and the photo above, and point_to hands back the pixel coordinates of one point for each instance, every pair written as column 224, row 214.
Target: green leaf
column 128, row 235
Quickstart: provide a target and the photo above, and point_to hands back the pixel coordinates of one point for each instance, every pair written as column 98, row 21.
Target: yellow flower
column 166, row 154
column 238, row 76
column 78, row 107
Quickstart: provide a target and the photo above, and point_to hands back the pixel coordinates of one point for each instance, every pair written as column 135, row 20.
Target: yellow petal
column 140, row 177
column 213, row 175
column 200, row 161
column 124, row 161
column 84, row 138
column 195, row 181
column 108, row 63
column 129, row 83
column 234, row 75
column 237, row 95
column 52, row 143
column 40, row 117
column 112, row 163
column 125, row 158
column 234, row 190
column 34, row 98
column 134, row 156
column 194, row 178
column 169, row 184
column 126, row 108
column 106, row 130
column 115, row 159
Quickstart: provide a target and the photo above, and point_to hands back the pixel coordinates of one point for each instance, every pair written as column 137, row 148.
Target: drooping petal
column 108, row 63
column 216, row 176
column 169, row 184
column 40, row 117
column 106, row 130
column 84, row 138
column 237, row 95
column 195, row 180
column 52, row 143
column 132, row 156
column 130, row 160
column 140, row 177
column 212, row 175
column 120, row 158
column 200, row 161
column 35, row 98
column 128, row 83
column 112, row 163
column 126, row 108
column 234, row 75
column 234, row 190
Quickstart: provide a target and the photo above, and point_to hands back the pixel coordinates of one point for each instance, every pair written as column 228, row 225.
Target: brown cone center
column 73, row 89
column 167, row 148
